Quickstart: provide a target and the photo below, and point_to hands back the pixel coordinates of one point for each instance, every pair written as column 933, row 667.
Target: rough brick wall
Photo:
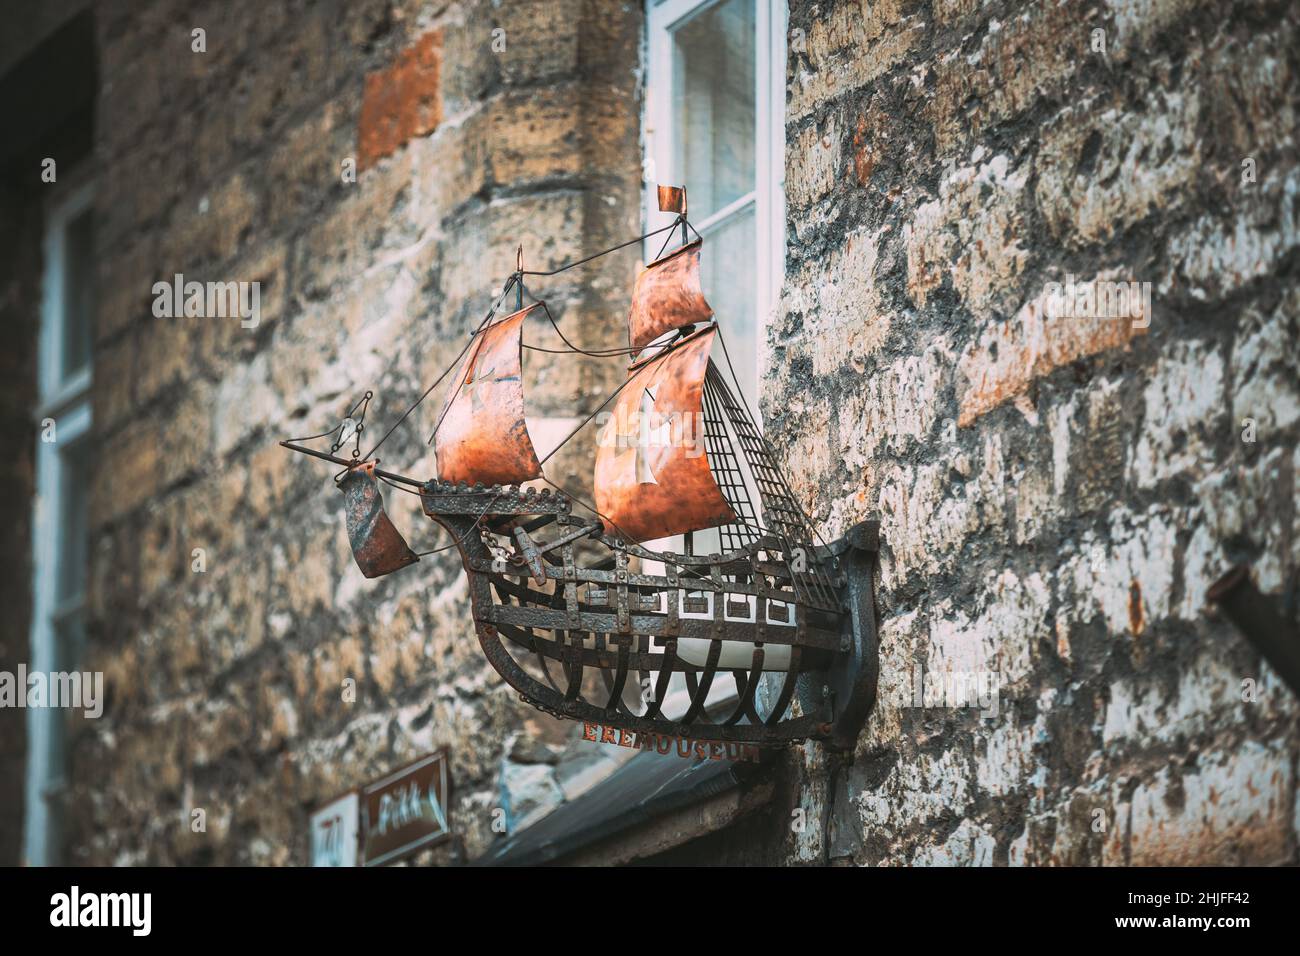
column 1055, row 494
column 226, row 685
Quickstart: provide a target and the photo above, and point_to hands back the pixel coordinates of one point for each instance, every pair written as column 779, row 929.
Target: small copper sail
column 668, row 296
column 483, row 435
column 377, row 545
column 652, row 475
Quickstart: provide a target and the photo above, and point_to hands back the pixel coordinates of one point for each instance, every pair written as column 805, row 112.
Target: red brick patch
column 402, row 101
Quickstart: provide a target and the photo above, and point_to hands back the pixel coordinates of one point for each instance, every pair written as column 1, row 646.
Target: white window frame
column 768, row 196
column 57, row 390
column 66, row 400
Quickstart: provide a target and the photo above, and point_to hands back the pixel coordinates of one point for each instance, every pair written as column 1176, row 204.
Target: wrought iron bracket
column 852, row 677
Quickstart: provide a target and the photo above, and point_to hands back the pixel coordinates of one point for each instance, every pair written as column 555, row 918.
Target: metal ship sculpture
column 589, row 609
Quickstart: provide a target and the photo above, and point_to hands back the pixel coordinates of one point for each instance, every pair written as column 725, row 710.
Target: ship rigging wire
column 486, row 319
column 516, row 281
column 517, row 278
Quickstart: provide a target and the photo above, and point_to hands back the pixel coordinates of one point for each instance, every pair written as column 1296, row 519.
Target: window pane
column 78, row 293
column 713, row 65
column 727, row 274
column 74, row 479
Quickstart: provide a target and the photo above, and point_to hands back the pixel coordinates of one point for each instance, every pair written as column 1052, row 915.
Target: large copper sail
column 483, row 435
column 668, row 296
column 652, row 474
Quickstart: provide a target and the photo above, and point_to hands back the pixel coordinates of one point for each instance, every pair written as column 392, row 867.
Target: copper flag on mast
column 483, row 436
column 652, row 474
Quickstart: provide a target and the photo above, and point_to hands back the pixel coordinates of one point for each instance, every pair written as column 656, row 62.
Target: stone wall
column 1056, row 494
column 227, row 610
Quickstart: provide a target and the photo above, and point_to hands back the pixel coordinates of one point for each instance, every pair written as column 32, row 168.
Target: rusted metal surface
column 574, row 614
column 376, row 544
column 483, row 436
column 652, row 474
column 672, row 199
column 584, row 597
column 625, row 624
column 668, row 296
column 528, row 552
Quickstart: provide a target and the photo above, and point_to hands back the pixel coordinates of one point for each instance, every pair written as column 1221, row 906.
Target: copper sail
column 483, row 436
column 376, row 543
column 652, row 474
column 668, row 296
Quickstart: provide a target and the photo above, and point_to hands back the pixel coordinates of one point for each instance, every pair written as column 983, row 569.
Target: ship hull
column 576, row 605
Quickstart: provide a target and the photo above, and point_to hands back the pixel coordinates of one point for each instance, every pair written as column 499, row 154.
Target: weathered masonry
column 934, row 204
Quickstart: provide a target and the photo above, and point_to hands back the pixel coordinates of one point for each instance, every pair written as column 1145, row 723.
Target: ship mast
column 662, row 455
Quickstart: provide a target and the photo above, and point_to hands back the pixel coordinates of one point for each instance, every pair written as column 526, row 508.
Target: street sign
column 405, row 811
column 334, row 837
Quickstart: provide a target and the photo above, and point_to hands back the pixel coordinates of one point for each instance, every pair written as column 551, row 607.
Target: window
column 715, row 122
column 59, row 535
